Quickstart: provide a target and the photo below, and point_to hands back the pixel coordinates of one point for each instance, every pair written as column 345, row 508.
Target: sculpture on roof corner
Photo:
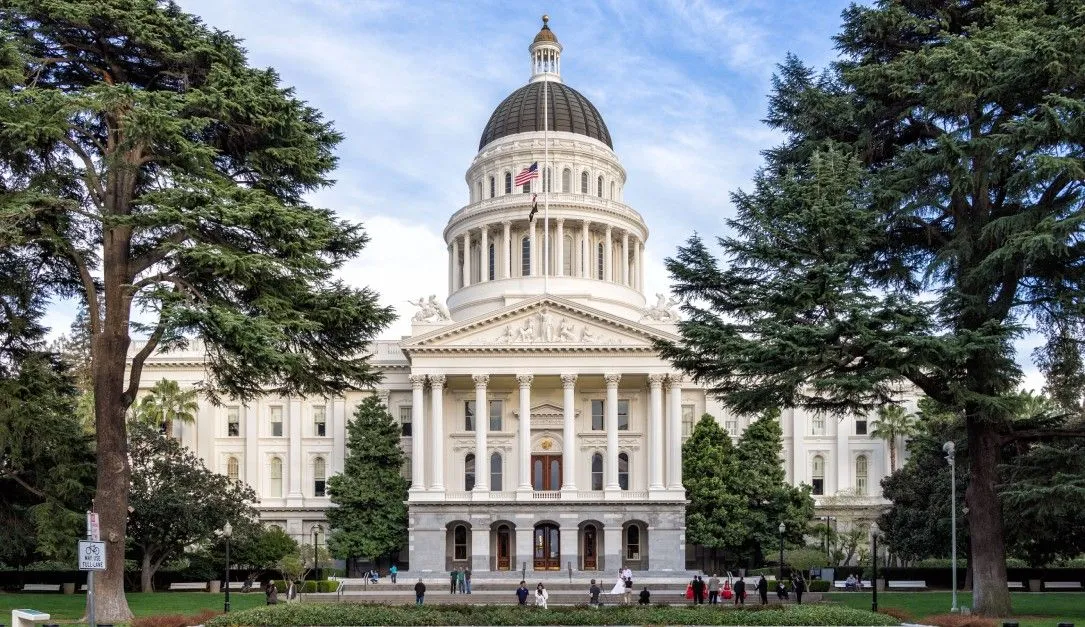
column 663, row 310
column 431, row 310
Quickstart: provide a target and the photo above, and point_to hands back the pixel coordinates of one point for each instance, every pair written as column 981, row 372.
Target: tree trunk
column 146, row 574
column 990, row 593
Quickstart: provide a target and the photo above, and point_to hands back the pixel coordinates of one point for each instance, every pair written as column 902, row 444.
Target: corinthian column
column 568, row 471
column 418, row 433
column 466, row 258
column 655, row 432
column 625, row 258
column 585, row 250
column 525, row 431
column 482, row 426
column 560, row 270
column 608, row 256
column 612, row 431
column 674, row 431
column 506, row 248
column 437, row 405
column 484, row 257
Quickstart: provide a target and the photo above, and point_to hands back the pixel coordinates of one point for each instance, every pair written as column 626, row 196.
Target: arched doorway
column 589, row 547
column 504, row 547
column 547, row 547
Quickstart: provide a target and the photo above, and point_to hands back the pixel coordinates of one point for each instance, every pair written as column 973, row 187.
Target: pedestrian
column 467, row 579
column 522, row 592
column 541, row 595
column 799, row 584
column 593, row 594
column 392, row 571
column 453, row 576
column 645, row 596
column 619, row 587
column 419, row 591
column 763, row 590
column 272, row 593
column 461, row 580
column 291, row 592
column 713, row 590
column 699, row 590
column 740, row 592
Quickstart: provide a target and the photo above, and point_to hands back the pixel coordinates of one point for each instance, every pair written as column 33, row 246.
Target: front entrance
column 591, row 562
column 504, row 548
column 547, row 547
column 545, row 472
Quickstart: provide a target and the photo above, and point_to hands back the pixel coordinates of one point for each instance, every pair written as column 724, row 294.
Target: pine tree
column 706, row 457
column 961, row 228
column 370, row 517
column 144, row 164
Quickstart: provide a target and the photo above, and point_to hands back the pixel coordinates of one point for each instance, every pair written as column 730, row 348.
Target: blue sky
column 682, row 86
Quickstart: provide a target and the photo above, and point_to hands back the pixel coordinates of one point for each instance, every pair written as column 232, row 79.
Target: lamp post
column 316, row 555
column 783, row 528
column 227, row 531
column 874, row 531
column 951, row 449
column 828, row 559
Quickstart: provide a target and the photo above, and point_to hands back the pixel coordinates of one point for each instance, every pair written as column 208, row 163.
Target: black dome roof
column 568, row 110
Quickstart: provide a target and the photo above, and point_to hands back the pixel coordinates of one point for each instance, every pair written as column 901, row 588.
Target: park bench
column 27, row 617
column 1062, row 585
column 842, row 585
column 198, row 586
column 1016, row 585
column 41, row 587
column 908, row 585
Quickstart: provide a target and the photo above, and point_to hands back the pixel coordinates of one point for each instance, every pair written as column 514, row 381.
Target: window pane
column 492, row 267
column 508, row 183
column 469, row 415
column 687, row 420
column 555, row 474
column 233, row 422
column 597, row 472
column 623, row 415
column 583, row 182
column 405, row 421
column 599, row 188
column 599, row 263
column 860, row 426
column 525, row 256
column 469, row 472
column 632, row 543
column 597, row 415
column 537, row 475
column 232, row 469
column 495, row 472
column 460, row 543
column 623, row 471
column 319, row 421
column 277, row 422
column 492, row 186
column 496, row 411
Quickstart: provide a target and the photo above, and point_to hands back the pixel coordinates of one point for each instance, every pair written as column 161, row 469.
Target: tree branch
column 141, row 357
column 157, row 254
column 90, row 177
column 14, row 477
column 88, row 283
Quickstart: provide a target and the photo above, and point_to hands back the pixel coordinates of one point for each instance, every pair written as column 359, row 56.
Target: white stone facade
column 578, row 462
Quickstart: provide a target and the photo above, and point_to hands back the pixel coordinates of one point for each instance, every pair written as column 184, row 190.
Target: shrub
column 175, row 620
column 820, row 585
column 327, row 586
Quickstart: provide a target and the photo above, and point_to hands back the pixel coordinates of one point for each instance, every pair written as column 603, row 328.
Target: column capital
column 506, row 223
column 525, row 380
column 437, row 380
column 656, row 379
column 559, row 221
column 675, row 378
column 568, row 380
column 481, row 379
column 625, row 234
column 417, row 380
column 609, row 230
column 612, row 379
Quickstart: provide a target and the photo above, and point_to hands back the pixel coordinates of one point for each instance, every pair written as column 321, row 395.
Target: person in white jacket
column 541, row 595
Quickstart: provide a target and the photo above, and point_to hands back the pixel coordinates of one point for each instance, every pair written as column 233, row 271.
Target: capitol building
column 547, row 331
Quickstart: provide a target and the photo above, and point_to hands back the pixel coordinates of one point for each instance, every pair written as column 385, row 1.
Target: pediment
column 541, row 324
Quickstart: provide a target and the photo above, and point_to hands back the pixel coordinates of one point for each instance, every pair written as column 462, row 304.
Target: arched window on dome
column 584, row 182
column 492, row 255
column 599, row 188
column 525, row 256
column 566, row 180
column 567, row 256
column 493, row 187
column 599, row 258
column 508, row 182
column 597, row 472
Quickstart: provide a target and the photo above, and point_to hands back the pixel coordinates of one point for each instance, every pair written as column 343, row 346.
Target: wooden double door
column 545, row 472
column 547, row 547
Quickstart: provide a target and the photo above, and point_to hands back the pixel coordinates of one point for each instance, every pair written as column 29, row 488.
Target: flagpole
column 546, row 184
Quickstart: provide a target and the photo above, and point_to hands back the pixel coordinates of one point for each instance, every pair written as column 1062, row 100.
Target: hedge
column 309, row 586
column 819, row 585
column 366, row 614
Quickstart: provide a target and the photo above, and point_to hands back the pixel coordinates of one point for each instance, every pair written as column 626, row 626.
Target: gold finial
column 546, row 18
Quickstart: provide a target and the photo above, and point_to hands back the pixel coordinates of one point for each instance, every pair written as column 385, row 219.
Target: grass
column 1031, row 609
column 71, row 606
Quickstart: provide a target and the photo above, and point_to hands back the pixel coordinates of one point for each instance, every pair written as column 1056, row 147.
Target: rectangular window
column 597, row 415
column 277, row 421
column 497, row 410
column 492, row 187
column 819, row 487
column 405, row 421
column 687, row 419
column 817, row 424
column 860, row 425
column 320, row 424
column 527, row 187
column 623, row 415
column 233, row 422
column 469, row 415
column 731, row 426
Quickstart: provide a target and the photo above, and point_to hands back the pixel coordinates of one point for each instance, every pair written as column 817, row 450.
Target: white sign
column 92, row 527
column 91, row 555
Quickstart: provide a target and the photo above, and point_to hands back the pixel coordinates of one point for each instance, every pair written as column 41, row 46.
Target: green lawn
column 71, row 606
column 1031, row 609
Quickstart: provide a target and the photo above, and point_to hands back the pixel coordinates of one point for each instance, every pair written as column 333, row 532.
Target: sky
column 682, row 86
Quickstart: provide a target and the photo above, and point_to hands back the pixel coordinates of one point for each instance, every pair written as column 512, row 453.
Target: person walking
column 392, row 572
column 453, row 576
column 541, row 595
column 627, row 581
column 467, row 579
column 713, row 590
column 763, row 590
column 419, row 591
column 740, row 592
column 593, row 594
column 799, row 585
column 522, row 592
column 272, row 593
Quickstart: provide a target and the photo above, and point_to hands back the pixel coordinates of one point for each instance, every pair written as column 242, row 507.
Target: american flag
column 530, row 172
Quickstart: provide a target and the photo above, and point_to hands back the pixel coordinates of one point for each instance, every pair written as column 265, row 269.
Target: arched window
column 612, row 196
column 819, row 474
column 232, row 468
column 600, row 256
column 493, row 187
column 861, row 474
column 508, row 182
column 599, row 188
column 459, row 543
column 632, row 543
column 566, row 180
column 567, row 256
column 492, row 264
column 469, row 472
column 584, row 182
column 525, row 256
column 495, row 472
column 623, row 471
column 276, row 484
column 319, row 484
column 597, row 472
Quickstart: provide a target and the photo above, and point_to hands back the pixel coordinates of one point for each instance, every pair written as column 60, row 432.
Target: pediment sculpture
column 432, row 310
column 546, row 327
column 663, row 310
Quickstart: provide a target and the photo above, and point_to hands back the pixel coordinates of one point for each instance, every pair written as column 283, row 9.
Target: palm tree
column 166, row 404
column 893, row 422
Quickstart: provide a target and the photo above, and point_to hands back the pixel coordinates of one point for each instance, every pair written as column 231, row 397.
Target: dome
column 568, row 110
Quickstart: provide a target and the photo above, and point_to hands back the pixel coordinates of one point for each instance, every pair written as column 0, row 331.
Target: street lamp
column 227, row 531
column 316, row 556
column 951, row 449
column 874, row 532
column 783, row 528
